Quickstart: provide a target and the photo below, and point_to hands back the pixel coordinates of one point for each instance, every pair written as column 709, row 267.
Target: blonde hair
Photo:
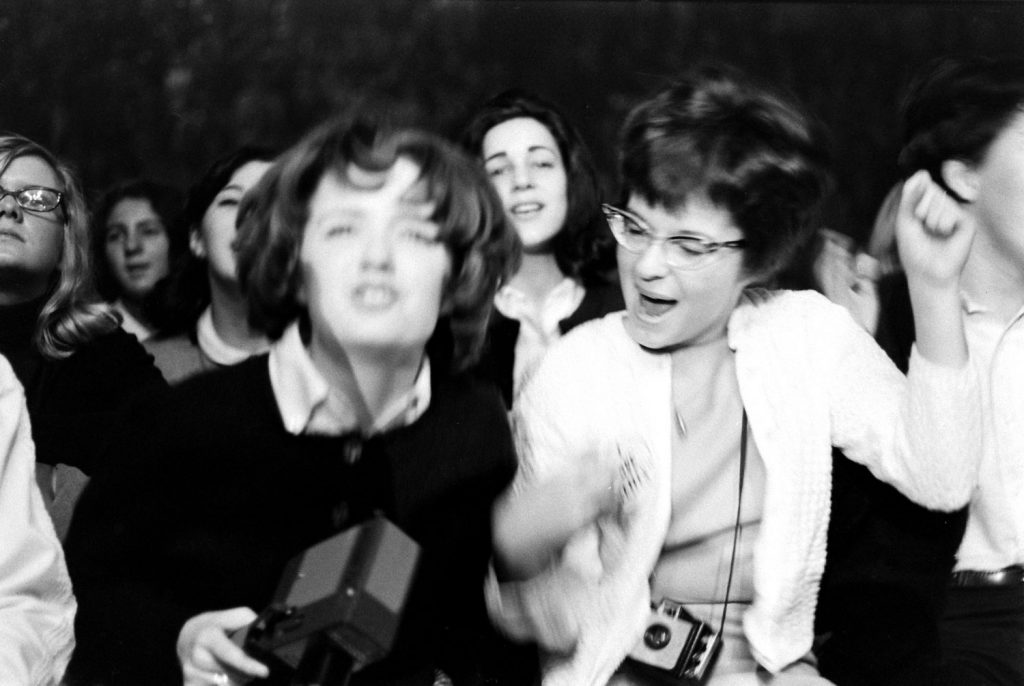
column 73, row 314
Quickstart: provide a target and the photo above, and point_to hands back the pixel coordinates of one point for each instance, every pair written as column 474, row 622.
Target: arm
column 37, row 607
column 934, row 236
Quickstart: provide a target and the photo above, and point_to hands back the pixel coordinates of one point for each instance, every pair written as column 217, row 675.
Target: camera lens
column 657, row 636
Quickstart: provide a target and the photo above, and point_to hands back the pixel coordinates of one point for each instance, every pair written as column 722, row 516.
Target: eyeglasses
column 681, row 252
column 34, row 198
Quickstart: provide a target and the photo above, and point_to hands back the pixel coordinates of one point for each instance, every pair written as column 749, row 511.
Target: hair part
column 272, row 220
column 747, row 149
column 72, row 314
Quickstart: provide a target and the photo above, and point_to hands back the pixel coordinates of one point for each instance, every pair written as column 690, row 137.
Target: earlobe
column 961, row 178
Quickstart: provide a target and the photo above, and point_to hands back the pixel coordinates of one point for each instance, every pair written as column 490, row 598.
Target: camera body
column 344, row 595
column 676, row 647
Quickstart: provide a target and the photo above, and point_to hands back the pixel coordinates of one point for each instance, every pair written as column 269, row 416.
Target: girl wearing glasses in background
column 544, row 175
column 77, row 366
column 679, row 453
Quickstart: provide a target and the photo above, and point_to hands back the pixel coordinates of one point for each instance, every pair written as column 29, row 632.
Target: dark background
column 160, row 87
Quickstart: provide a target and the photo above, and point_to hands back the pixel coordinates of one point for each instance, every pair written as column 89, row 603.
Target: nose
column 132, row 242
column 650, row 263
column 8, row 205
column 378, row 250
column 522, row 177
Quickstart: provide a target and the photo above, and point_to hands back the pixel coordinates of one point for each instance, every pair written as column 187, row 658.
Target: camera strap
column 739, row 511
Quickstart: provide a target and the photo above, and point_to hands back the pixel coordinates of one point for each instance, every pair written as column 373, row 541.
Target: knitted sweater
column 809, row 378
column 216, row 496
column 36, row 605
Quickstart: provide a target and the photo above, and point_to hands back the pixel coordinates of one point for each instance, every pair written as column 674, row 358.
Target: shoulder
column 114, row 359
column 782, row 311
column 177, row 357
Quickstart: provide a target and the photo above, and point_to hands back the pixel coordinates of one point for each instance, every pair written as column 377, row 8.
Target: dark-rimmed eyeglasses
column 681, row 252
column 34, row 198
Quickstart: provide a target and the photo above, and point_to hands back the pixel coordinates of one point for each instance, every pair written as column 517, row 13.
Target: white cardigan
column 37, row 608
column 809, row 378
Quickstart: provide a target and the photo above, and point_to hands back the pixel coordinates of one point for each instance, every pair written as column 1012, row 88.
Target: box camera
column 340, row 598
column 676, row 647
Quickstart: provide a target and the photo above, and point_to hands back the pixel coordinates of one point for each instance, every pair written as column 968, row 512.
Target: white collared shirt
column 216, row 348
column 538, row 322
column 308, row 407
column 995, row 527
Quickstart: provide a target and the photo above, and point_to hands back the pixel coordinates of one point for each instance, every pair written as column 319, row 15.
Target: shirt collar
column 213, row 346
column 307, row 406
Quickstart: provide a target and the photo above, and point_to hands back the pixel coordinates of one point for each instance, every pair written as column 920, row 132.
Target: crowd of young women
column 599, row 422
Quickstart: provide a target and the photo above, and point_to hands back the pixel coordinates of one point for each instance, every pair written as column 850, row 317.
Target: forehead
column 698, row 216
column 131, row 206
column 521, row 133
column 367, row 190
column 248, row 174
column 30, row 170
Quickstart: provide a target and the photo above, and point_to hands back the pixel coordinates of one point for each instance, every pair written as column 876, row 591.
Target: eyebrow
column 532, row 148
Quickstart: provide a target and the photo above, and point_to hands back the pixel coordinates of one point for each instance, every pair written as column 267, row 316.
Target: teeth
column 526, row 208
column 375, row 296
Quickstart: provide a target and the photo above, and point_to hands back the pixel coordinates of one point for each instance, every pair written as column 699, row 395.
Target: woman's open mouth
column 652, row 308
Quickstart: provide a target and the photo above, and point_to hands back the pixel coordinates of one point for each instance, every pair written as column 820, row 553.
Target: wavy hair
column 584, row 247
column 482, row 247
column 73, row 314
column 166, row 202
column 748, row 149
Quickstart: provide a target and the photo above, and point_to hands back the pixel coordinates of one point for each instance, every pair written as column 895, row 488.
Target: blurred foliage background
column 159, row 88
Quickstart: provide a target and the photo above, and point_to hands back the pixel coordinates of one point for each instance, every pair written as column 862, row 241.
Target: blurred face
column 31, row 242
column 137, row 247
column 216, row 235
column 526, row 168
column 670, row 308
column 373, row 269
column 999, row 205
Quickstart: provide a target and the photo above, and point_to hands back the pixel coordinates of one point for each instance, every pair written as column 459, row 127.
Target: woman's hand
column 207, row 654
column 532, row 527
column 934, row 234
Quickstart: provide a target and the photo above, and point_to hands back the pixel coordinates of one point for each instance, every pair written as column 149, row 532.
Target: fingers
column 938, row 213
column 209, row 656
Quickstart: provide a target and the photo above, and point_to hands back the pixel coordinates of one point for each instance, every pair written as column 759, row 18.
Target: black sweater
column 76, row 404
column 217, row 496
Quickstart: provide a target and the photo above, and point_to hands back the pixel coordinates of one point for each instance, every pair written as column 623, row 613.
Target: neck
column 537, row 275
column 14, row 291
column 134, row 308
column 993, row 279
column 368, row 380
column 230, row 318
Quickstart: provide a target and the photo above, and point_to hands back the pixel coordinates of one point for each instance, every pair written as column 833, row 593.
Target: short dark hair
column 178, row 301
column 166, row 202
column 955, row 108
column 273, row 217
column 748, row 149
column 584, row 248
